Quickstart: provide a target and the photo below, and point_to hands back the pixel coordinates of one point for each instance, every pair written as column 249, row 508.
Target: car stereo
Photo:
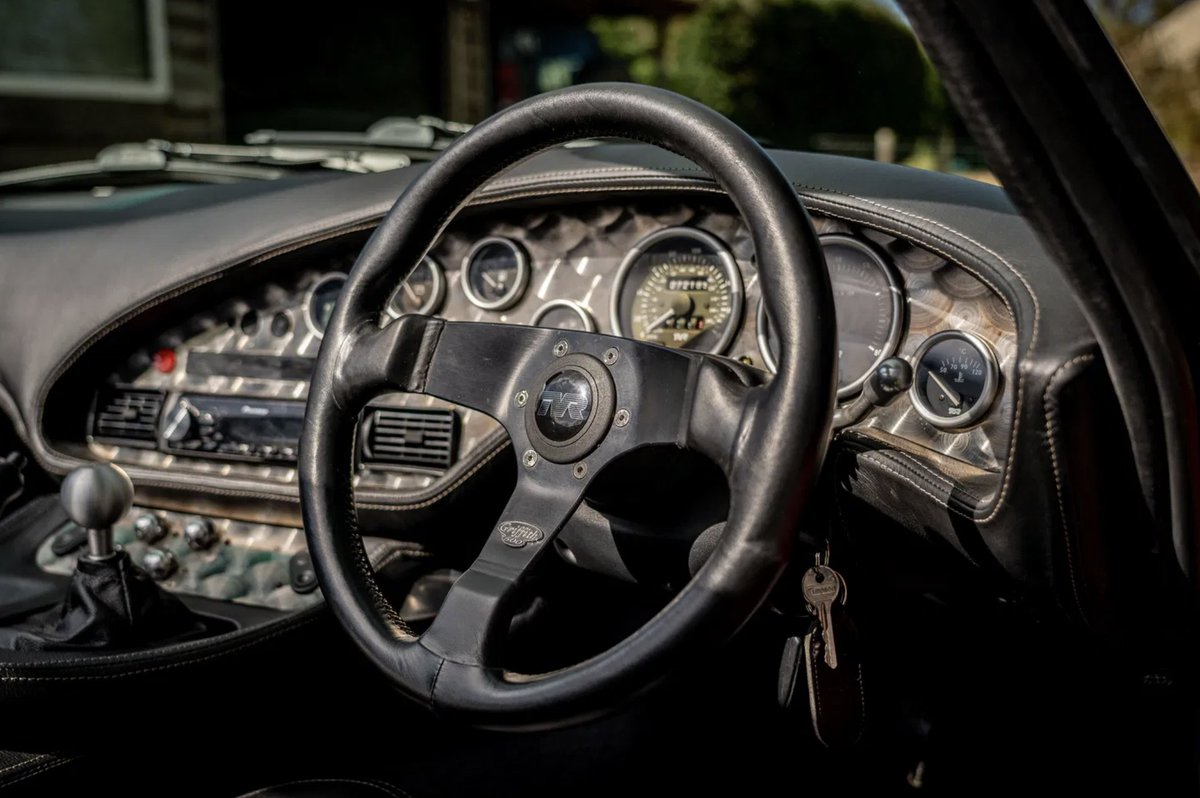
column 262, row 430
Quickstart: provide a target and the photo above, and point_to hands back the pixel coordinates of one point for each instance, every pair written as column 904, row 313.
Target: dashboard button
column 199, row 533
column 159, row 563
column 301, row 573
column 149, row 528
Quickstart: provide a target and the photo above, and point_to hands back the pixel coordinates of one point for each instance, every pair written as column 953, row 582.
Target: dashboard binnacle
column 221, row 393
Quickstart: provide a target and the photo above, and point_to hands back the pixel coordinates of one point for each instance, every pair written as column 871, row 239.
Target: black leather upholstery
column 328, row 788
column 110, row 605
column 770, row 475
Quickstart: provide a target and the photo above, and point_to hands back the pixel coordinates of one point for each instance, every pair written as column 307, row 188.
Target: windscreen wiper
column 422, row 134
column 389, row 144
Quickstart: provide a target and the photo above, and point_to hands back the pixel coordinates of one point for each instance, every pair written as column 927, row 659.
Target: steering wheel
column 572, row 402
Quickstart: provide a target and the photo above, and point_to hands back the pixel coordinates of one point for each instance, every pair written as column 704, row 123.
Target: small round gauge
column 563, row 314
column 422, row 292
column 869, row 305
column 956, row 379
column 321, row 300
column 679, row 287
column 495, row 273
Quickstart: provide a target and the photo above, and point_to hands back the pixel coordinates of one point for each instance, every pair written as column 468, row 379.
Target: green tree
column 789, row 70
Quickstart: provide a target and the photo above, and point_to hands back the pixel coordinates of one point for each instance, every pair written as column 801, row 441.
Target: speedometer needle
column 490, row 280
column 661, row 320
column 951, row 394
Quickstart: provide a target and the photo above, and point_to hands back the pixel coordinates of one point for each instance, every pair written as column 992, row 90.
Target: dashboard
column 221, row 391
column 195, row 325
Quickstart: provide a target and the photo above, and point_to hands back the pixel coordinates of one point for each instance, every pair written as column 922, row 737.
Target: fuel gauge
column 956, row 379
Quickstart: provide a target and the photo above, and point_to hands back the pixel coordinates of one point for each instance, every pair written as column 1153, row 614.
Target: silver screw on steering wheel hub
column 610, row 356
column 521, row 398
column 530, row 458
column 561, row 348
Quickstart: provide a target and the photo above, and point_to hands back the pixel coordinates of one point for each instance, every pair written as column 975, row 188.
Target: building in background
column 78, row 75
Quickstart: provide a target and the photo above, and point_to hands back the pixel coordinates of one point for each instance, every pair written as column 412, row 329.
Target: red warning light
column 164, row 361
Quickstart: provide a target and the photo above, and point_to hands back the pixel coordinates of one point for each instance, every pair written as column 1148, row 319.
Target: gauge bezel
column 589, row 324
column 895, row 330
column 991, row 381
column 308, row 297
column 436, row 297
column 732, row 273
column 514, row 294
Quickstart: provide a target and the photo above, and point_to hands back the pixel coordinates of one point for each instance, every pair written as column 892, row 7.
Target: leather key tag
column 836, row 696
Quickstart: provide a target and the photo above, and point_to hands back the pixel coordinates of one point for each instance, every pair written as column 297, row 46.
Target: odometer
column 679, row 287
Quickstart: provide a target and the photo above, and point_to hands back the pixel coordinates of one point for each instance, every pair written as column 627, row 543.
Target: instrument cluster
column 221, row 394
column 681, row 284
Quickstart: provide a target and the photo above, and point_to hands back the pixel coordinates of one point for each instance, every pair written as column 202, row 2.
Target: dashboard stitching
column 24, row 763
column 1050, row 405
column 882, row 463
column 383, row 787
column 940, row 479
column 648, row 172
column 9, row 672
column 43, row 767
column 921, row 472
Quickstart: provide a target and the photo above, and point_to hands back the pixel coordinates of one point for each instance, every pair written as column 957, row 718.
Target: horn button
column 570, row 409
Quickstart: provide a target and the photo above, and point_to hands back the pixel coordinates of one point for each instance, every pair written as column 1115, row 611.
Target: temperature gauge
column 956, row 379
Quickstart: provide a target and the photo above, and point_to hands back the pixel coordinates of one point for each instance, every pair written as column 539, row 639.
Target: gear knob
column 95, row 496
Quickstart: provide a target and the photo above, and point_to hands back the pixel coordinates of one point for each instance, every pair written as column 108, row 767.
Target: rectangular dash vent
column 126, row 414
column 402, row 437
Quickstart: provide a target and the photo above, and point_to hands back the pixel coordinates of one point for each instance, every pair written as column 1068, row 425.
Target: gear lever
column 111, row 603
column 95, row 497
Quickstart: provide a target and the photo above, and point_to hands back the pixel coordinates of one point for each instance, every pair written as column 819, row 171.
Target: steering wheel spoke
column 473, row 620
column 722, row 398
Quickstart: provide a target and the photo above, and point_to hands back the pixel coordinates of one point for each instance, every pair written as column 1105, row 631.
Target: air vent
column 402, row 437
column 125, row 415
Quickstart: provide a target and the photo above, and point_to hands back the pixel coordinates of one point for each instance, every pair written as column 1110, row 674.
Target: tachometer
column 679, row 287
column 870, row 310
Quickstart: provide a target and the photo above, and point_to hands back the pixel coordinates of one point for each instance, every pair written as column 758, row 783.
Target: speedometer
column 869, row 304
column 679, row 287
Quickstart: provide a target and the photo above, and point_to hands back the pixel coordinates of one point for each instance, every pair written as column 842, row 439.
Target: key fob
column 836, row 696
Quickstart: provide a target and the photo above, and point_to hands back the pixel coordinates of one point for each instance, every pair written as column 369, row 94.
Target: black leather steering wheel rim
column 769, row 438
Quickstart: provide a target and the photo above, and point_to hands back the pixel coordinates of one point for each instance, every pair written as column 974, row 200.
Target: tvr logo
column 561, row 404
